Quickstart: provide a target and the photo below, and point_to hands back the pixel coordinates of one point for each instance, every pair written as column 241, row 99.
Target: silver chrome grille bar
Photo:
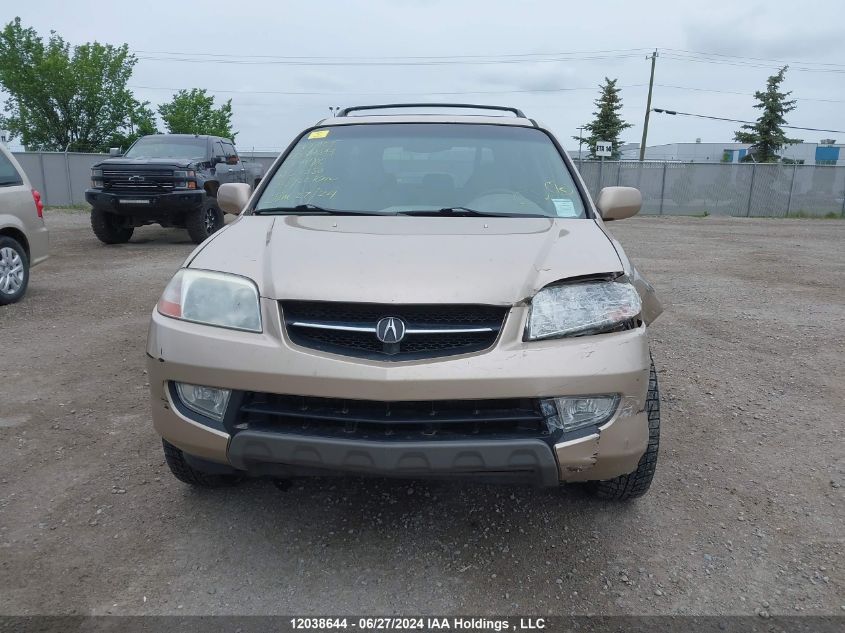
column 317, row 325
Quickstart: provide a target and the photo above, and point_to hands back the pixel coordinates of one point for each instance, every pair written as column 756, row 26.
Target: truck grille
column 149, row 181
column 375, row 420
column 430, row 331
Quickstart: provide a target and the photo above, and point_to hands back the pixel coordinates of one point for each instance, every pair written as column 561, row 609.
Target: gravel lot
column 746, row 512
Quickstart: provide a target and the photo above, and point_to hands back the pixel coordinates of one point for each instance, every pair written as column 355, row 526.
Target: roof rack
column 471, row 106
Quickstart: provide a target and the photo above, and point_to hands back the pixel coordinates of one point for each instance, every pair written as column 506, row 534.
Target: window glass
column 230, row 153
column 9, row 176
column 392, row 168
column 168, row 147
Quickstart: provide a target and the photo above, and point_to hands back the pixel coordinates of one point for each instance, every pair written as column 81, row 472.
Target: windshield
column 405, row 168
column 187, row 147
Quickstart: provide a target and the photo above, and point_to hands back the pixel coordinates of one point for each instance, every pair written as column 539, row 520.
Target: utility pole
column 580, row 141
column 648, row 106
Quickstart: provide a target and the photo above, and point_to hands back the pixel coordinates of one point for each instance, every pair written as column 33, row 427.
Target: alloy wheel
column 11, row 271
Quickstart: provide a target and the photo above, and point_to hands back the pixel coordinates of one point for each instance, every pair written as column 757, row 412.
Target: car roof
column 428, row 118
column 203, row 136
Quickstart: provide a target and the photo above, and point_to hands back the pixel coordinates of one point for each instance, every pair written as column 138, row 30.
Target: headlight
column 184, row 174
column 581, row 308
column 212, row 298
column 96, row 173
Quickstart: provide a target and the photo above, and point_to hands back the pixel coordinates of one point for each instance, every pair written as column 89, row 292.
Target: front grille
column 148, row 181
column 431, row 330
column 375, row 420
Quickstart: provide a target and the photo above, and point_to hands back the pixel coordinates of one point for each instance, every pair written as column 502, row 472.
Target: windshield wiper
column 311, row 209
column 467, row 212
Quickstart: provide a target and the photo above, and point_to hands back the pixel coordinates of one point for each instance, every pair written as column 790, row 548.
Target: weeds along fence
column 738, row 189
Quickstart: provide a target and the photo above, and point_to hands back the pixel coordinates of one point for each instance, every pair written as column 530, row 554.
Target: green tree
column 61, row 96
column 193, row 112
column 142, row 121
column 606, row 125
column 767, row 134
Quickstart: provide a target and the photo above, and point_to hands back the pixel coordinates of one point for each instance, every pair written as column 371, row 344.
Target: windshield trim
column 586, row 201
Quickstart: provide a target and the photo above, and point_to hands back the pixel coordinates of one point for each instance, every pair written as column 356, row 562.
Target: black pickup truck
column 166, row 179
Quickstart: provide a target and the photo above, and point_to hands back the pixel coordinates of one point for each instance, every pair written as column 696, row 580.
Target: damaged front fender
column 652, row 307
column 615, row 449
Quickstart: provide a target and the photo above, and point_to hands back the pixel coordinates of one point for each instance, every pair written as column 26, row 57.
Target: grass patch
column 803, row 215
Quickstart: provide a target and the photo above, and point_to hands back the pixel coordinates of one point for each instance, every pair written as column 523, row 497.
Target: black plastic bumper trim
column 532, row 460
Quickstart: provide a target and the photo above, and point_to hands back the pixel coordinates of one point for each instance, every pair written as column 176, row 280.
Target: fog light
column 208, row 401
column 570, row 413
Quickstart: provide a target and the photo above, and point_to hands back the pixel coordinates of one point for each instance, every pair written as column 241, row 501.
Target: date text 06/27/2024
column 428, row 623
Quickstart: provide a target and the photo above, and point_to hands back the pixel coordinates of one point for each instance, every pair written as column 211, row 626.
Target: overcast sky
column 337, row 52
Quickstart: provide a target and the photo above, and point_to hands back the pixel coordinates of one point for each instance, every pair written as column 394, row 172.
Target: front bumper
column 145, row 204
column 269, row 362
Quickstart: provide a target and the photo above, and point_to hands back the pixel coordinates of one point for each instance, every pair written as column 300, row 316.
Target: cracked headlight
column 581, row 308
column 211, row 298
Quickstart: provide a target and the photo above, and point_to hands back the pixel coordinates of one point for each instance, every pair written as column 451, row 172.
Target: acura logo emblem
column 390, row 330
column 136, row 179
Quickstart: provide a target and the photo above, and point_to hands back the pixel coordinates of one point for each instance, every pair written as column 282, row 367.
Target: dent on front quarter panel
column 652, row 307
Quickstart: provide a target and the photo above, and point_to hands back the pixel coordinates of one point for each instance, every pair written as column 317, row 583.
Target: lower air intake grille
column 375, row 420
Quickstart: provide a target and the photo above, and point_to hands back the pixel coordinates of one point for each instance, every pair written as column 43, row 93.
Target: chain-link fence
column 738, row 189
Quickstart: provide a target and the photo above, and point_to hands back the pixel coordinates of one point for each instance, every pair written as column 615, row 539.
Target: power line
column 758, row 59
column 680, row 53
column 749, row 64
column 744, row 94
column 386, row 94
column 432, row 62
column 719, row 118
column 390, row 57
column 551, row 90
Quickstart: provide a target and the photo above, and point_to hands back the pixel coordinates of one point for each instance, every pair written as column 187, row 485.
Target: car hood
column 144, row 162
column 401, row 259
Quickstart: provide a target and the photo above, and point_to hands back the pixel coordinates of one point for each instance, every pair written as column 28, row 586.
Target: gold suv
column 412, row 295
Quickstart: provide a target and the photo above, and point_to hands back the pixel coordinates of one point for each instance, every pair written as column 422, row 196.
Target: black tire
column 186, row 473
column 14, row 270
column 205, row 221
column 108, row 228
column 637, row 483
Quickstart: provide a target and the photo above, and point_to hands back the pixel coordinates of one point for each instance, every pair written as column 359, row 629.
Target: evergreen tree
column 607, row 124
column 766, row 135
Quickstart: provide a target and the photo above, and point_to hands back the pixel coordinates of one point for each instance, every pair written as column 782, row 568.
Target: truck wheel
column 203, row 222
column 636, row 484
column 108, row 229
column 14, row 270
column 186, row 473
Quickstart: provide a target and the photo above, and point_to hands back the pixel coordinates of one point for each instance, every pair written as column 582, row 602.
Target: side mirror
column 618, row 203
column 233, row 196
column 114, row 151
